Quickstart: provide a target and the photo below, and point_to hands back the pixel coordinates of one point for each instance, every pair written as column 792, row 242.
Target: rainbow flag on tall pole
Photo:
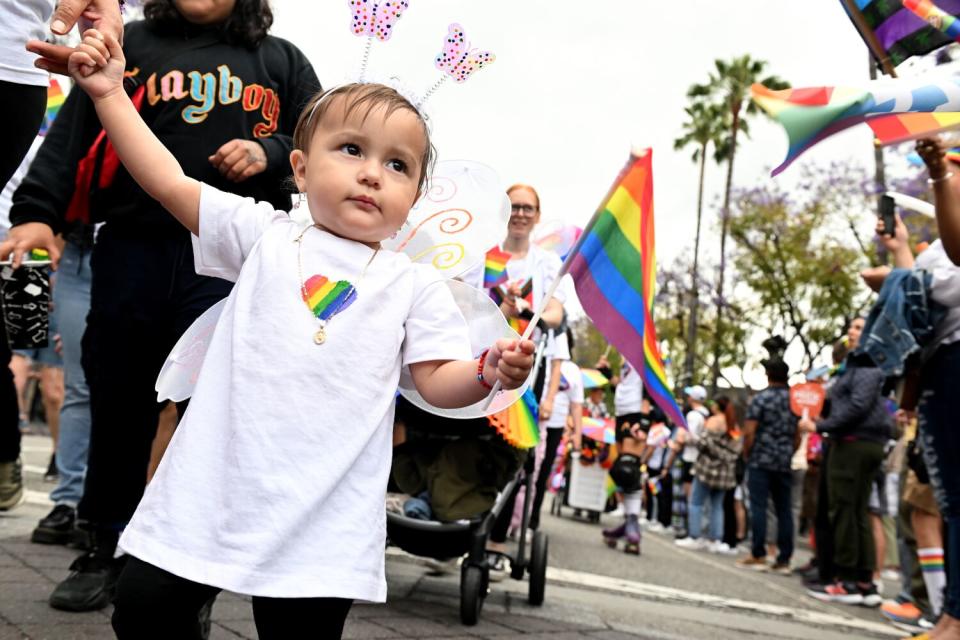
column 613, row 266
column 895, row 30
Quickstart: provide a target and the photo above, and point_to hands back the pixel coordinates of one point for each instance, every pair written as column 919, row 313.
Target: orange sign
column 806, row 399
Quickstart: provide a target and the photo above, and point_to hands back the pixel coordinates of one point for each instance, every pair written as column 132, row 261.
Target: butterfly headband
column 457, row 59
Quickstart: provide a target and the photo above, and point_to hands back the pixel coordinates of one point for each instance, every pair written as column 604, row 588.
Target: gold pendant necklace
column 325, row 298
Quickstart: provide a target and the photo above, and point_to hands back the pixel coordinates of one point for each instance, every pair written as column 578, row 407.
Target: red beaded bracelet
column 483, row 360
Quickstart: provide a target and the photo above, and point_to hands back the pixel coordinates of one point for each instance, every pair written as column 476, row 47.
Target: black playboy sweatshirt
column 201, row 92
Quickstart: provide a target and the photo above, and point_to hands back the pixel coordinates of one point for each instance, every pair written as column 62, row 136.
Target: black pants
column 144, row 294
column 153, row 604
column 554, row 436
column 850, row 474
column 664, row 498
column 765, row 484
column 730, row 518
column 23, row 110
column 822, row 529
column 23, row 114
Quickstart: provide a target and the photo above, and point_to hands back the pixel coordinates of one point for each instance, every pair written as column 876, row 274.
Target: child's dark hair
column 365, row 96
column 247, row 25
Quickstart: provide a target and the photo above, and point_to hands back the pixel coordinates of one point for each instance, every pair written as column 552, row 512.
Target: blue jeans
column 701, row 495
column 764, row 484
column 940, row 436
column 71, row 298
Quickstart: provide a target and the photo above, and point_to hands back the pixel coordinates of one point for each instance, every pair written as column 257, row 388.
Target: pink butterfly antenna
column 374, row 19
column 457, row 60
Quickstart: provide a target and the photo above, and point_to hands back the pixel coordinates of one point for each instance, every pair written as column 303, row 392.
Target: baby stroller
column 468, row 537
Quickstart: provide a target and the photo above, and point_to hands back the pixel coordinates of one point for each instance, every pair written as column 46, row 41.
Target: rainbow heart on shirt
column 326, row 297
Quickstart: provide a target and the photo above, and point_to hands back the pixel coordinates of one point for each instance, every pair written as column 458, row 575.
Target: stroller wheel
column 473, row 589
column 538, row 569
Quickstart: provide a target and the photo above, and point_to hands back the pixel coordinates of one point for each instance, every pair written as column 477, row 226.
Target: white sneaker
column 694, row 544
column 656, row 527
column 721, row 548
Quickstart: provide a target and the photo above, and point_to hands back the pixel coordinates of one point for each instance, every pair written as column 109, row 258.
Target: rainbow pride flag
column 518, row 424
column 593, row 379
column 935, row 17
column 614, row 270
column 896, row 110
column 894, row 32
column 55, row 100
column 495, row 268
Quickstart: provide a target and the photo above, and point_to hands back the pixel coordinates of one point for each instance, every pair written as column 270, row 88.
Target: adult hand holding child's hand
column 103, row 15
column 509, row 362
column 97, row 64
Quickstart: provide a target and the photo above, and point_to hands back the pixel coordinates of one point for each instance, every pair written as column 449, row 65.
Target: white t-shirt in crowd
column 628, row 395
column 570, row 392
column 274, row 482
column 23, row 20
column 945, row 289
column 696, row 420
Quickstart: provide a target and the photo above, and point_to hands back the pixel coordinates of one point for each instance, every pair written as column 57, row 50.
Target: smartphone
column 887, row 215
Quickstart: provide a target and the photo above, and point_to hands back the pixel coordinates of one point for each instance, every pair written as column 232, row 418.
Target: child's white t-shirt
column 274, row 482
column 569, row 392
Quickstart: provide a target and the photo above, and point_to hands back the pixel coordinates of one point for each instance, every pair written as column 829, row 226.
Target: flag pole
column 870, row 38
column 565, row 268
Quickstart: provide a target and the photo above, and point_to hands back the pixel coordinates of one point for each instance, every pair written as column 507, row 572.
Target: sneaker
column 497, row 565
column 921, row 625
column 756, row 564
column 56, row 527
column 871, row 595
column 783, row 568
column 694, row 544
column 722, row 549
column 892, row 575
column 11, row 485
column 90, row 585
column 52, row 472
column 656, row 527
column 902, row 611
column 842, row 592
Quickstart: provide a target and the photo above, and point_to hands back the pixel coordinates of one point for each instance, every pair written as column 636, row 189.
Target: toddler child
column 274, row 484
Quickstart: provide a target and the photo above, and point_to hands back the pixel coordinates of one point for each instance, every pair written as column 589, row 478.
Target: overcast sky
column 575, row 84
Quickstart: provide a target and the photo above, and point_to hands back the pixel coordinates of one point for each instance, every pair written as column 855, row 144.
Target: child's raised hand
column 97, row 64
column 509, row 362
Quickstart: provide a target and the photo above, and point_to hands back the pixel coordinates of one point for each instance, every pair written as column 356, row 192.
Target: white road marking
column 595, row 582
column 657, row 592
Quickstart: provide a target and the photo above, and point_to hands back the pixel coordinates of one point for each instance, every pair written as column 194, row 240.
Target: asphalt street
column 592, row 592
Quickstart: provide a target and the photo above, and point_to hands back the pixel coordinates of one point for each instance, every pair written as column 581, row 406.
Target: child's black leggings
column 153, row 604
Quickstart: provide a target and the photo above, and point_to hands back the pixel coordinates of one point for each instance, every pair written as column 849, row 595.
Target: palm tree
column 729, row 86
column 704, row 126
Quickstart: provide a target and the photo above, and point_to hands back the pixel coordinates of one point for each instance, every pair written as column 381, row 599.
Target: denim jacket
column 901, row 321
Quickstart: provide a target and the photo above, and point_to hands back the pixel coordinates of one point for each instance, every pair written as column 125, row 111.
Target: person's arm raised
column 154, row 168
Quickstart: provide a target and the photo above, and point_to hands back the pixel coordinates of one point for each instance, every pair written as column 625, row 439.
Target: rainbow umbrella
column 600, row 430
column 593, row 379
